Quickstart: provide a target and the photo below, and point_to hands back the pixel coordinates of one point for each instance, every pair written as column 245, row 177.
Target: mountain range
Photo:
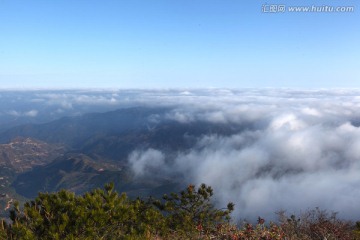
column 83, row 152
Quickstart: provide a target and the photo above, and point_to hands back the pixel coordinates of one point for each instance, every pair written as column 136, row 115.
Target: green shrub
column 191, row 211
column 99, row 214
column 190, row 214
column 316, row 224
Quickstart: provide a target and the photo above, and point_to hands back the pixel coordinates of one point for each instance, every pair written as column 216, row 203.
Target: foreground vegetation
column 105, row 214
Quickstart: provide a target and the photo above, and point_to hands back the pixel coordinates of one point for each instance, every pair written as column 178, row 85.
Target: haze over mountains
column 263, row 149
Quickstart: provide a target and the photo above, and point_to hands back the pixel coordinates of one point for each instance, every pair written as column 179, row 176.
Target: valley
column 86, row 152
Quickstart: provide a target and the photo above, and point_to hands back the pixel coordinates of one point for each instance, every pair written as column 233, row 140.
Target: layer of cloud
column 302, row 150
column 30, row 113
column 293, row 169
column 296, row 149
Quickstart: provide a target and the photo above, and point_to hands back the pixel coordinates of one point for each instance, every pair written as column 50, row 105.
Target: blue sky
column 176, row 44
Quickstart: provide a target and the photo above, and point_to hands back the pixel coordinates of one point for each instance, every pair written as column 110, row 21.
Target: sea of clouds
column 296, row 150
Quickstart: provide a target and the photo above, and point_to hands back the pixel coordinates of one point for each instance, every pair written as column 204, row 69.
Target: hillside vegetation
column 190, row 214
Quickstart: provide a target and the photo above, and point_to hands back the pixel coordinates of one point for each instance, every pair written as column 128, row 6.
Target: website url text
column 281, row 8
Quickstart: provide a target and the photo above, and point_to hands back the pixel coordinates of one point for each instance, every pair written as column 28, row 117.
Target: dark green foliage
column 99, row 214
column 191, row 210
column 105, row 214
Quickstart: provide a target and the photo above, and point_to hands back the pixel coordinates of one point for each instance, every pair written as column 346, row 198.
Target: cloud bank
column 300, row 150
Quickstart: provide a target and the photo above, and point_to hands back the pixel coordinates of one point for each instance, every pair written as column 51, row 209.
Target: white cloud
column 145, row 162
column 31, row 113
column 14, row 113
column 311, row 111
column 296, row 150
column 289, row 121
column 288, row 170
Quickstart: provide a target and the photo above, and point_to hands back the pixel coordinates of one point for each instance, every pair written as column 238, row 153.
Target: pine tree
column 192, row 210
column 105, row 214
column 99, row 214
